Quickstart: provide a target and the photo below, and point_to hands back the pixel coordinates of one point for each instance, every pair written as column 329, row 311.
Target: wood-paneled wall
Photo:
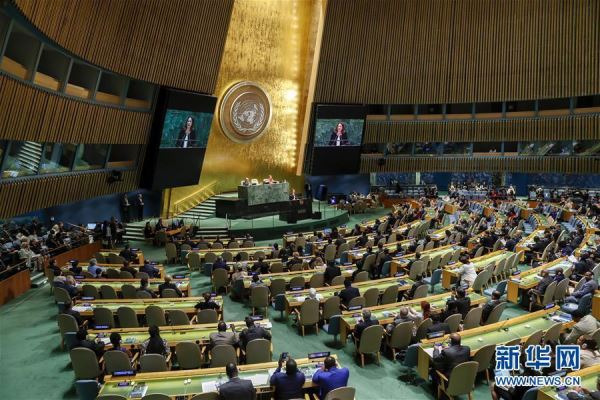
column 453, row 51
column 25, row 195
column 176, row 43
column 570, row 165
column 29, row 113
column 557, row 128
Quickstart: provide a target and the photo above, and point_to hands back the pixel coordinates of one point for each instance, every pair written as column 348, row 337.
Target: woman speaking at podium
column 339, row 137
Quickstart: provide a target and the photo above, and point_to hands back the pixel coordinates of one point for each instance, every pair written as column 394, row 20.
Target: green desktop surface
column 500, row 336
column 183, row 385
column 138, row 306
column 393, row 309
column 325, row 294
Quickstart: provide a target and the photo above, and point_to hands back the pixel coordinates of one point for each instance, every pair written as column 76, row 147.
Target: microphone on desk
column 503, row 326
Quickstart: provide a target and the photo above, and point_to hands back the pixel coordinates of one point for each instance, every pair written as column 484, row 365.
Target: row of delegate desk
column 519, row 285
column 185, row 304
column 498, row 333
column 195, row 333
column 386, row 313
column 182, row 284
column 399, row 264
column 186, row 383
column 105, row 267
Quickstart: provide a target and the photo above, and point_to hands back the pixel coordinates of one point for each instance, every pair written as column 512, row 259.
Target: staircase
column 135, row 231
column 38, row 279
column 30, row 155
column 204, row 210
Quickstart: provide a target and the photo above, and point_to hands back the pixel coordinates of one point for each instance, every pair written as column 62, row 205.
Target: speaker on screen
column 321, row 193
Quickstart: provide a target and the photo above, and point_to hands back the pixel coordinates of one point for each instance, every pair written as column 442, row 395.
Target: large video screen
column 337, row 139
column 185, row 129
column 180, row 131
column 337, row 132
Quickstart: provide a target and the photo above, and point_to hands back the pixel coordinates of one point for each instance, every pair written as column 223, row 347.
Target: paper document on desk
column 572, row 258
column 105, row 340
column 210, row 386
column 260, row 380
column 81, row 308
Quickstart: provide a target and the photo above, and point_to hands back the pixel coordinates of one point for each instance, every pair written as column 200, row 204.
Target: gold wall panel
column 269, row 43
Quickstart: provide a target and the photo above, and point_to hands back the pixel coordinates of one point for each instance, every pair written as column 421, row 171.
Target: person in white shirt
column 466, row 272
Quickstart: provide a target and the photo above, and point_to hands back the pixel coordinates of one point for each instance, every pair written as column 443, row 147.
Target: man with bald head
column 365, row 323
column 444, row 360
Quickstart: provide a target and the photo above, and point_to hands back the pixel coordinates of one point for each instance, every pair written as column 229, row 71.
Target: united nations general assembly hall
column 300, row 199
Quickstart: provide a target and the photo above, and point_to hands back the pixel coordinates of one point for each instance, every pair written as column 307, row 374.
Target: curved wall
column 28, row 113
column 454, row 51
column 19, row 197
column 176, row 43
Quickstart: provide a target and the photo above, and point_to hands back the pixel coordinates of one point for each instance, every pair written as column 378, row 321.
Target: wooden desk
column 347, row 272
column 84, row 252
column 399, row 263
column 197, row 333
column 589, row 244
column 294, row 299
column 589, row 377
column 160, row 267
column 138, row 253
column 450, row 272
column 386, row 313
column 517, row 285
column 590, row 226
column 450, row 208
column 182, row 284
column 596, row 305
column 172, row 383
column 524, row 244
column 219, row 252
column 364, row 225
column 499, row 333
column 543, row 221
column 186, row 304
column 524, row 210
column 14, row 286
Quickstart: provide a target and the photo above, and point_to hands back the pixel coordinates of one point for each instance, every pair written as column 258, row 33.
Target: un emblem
column 245, row 112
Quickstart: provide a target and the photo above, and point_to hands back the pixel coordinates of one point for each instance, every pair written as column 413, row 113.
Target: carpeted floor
column 32, row 365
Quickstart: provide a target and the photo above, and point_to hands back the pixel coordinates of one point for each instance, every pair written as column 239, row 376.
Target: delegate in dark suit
column 348, row 293
column 445, row 360
column 238, row 389
column 331, row 272
column 460, row 304
column 169, row 285
column 364, row 324
column 252, row 332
